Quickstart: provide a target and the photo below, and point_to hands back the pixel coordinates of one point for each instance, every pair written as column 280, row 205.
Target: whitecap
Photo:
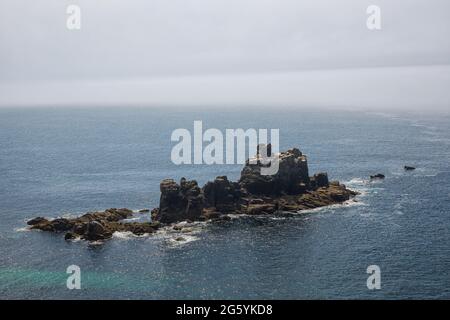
column 362, row 186
column 332, row 208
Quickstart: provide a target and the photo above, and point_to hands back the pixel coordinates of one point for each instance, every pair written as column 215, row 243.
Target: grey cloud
column 168, row 40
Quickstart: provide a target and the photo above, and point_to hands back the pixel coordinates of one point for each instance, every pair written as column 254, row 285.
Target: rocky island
column 290, row 190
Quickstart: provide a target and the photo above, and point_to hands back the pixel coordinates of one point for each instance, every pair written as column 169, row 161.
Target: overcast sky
column 220, row 52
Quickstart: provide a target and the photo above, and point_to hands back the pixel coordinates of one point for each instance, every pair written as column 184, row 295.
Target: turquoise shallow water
column 69, row 161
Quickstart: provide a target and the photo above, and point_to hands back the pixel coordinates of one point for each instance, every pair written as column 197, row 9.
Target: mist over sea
column 56, row 162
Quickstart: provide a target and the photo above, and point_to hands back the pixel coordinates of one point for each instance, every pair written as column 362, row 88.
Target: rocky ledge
column 291, row 189
column 94, row 226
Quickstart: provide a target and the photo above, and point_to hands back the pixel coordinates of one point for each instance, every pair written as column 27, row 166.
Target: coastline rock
column 96, row 231
column 289, row 190
column 259, row 209
column 139, row 228
column 36, row 220
column 321, row 179
column 222, row 194
column 179, row 202
column 291, row 178
column 70, row 236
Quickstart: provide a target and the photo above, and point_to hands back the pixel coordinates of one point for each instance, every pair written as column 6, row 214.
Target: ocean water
column 57, row 162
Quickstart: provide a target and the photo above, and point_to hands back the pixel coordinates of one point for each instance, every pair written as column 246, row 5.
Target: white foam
column 68, row 215
column 181, row 240
column 355, row 181
column 376, row 181
column 96, row 243
column 175, row 238
column 126, row 235
column 138, row 211
column 131, row 219
column 363, row 186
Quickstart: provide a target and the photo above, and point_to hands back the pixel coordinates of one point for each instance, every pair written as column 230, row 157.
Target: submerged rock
column 377, row 176
column 179, row 202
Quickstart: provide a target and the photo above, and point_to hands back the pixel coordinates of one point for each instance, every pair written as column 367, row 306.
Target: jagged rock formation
column 291, row 189
column 292, row 176
column 94, row 225
column 179, row 202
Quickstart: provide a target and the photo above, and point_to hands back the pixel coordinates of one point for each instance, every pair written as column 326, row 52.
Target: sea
column 67, row 161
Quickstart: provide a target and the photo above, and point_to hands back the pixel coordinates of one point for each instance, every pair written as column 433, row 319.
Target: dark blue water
column 67, row 161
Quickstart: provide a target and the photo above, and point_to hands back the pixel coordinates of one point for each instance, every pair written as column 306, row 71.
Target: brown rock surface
column 94, row 226
column 291, row 189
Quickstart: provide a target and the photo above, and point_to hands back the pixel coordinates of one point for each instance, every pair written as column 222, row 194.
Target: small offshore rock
column 36, row 220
